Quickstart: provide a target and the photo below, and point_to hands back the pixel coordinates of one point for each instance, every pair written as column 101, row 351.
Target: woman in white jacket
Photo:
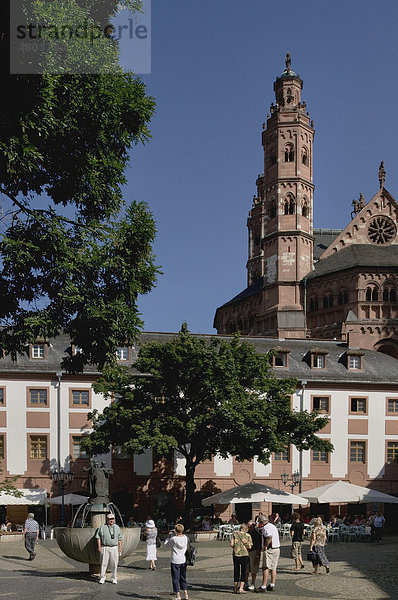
column 178, row 543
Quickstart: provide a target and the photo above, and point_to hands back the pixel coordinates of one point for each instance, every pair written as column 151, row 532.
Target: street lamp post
column 61, row 477
column 295, row 480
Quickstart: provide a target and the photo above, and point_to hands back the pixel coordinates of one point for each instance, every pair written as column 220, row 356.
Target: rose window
column 381, row 230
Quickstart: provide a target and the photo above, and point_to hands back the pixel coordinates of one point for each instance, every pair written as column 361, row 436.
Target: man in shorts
column 270, row 555
column 297, row 533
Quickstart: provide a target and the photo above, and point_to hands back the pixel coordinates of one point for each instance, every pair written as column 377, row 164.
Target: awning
column 74, row 499
column 254, row 492
column 341, row 492
column 30, row 496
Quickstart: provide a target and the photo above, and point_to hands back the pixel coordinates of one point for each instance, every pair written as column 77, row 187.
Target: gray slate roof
column 377, row 369
column 358, row 256
column 323, row 239
column 251, row 290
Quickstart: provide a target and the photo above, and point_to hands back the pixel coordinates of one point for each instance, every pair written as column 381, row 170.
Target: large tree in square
column 75, row 253
column 201, row 397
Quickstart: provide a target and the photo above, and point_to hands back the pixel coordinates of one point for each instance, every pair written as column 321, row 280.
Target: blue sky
column 213, row 68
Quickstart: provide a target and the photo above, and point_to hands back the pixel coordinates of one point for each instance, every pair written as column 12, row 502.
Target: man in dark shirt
column 254, row 554
column 297, row 534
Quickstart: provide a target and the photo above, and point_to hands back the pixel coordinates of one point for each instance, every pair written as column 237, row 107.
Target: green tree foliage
column 201, row 397
column 7, row 486
column 74, row 254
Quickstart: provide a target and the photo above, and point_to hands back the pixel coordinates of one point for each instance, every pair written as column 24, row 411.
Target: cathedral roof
column 323, row 239
column 357, row 255
column 252, row 290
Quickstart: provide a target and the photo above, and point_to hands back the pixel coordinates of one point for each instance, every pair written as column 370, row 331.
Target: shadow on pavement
column 80, row 575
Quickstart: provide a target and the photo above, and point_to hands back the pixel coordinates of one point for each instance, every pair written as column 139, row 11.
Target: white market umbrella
column 73, row 499
column 254, row 492
column 30, row 497
column 344, row 492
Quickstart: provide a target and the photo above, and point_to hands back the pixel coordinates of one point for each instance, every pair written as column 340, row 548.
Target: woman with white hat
column 151, row 534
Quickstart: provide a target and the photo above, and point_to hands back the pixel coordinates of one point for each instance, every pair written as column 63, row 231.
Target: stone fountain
column 79, row 543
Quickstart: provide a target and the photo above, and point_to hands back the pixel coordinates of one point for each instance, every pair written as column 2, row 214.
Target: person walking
column 109, row 541
column 31, row 535
column 270, row 555
column 178, row 543
column 297, row 534
column 241, row 542
column 378, row 524
column 151, row 534
column 317, row 544
column 254, row 555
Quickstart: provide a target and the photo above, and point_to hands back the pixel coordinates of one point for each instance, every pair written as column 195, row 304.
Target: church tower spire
column 280, row 222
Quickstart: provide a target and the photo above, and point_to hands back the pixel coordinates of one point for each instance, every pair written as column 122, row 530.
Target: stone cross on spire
column 288, row 61
column 382, row 174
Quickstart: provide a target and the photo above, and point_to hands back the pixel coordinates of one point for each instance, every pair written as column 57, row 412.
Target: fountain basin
column 81, row 545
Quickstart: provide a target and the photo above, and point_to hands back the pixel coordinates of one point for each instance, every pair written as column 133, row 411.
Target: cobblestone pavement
column 358, row 570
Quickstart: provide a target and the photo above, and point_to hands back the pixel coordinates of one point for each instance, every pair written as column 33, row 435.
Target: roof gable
column 375, row 224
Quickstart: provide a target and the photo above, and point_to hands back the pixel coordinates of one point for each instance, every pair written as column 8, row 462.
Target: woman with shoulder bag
column 317, row 545
column 241, row 542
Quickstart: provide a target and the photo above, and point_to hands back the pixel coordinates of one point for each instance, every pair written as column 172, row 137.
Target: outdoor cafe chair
column 351, row 534
column 333, row 534
column 285, row 530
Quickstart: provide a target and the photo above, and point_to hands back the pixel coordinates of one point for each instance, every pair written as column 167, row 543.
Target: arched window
column 368, row 294
column 304, row 209
column 272, row 211
column 330, row 301
column 393, row 295
column 385, row 294
column 289, row 153
column 325, row 302
column 289, row 206
column 340, row 299
column 304, row 157
column 375, row 294
column 345, row 298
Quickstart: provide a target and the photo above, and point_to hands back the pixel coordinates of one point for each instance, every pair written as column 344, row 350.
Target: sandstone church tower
column 280, row 223
column 315, row 283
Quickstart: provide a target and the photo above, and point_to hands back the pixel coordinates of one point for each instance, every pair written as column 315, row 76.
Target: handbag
column 311, row 556
column 190, row 554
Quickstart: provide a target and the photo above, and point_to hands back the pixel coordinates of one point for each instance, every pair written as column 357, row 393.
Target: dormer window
column 280, row 360
column 122, row 353
column 318, row 361
column 37, row 351
column 354, row 360
column 318, row 358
